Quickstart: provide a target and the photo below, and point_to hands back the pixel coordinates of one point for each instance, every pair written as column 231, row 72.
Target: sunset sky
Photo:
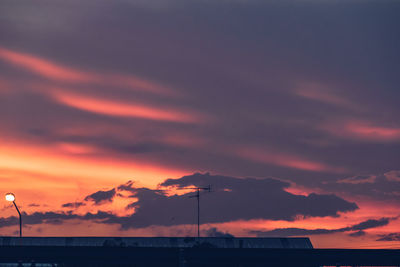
column 289, row 109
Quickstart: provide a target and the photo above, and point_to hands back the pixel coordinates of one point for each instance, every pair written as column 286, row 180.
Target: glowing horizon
column 108, row 110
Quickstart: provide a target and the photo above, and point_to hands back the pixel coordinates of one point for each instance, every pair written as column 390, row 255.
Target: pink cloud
column 358, row 180
column 4, row 86
column 133, row 82
column 285, row 160
column 364, row 131
column 73, row 148
column 319, row 93
column 393, row 176
column 57, row 72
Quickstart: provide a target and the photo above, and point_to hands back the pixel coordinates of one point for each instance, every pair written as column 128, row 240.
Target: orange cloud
column 123, row 109
column 54, row 71
column 77, row 148
column 43, row 67
column 178, row 138
column 101, row 170
column 53, row 174
column 52, row 190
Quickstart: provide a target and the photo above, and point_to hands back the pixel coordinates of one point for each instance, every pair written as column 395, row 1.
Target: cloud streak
column 123, row 109
column 57, row 72
column 239, row 88
column 365, row 131
column 291, row 161
column 357, row 229
column 389, row 237
column 317, row 92
column 378, row 187
column 44, row 67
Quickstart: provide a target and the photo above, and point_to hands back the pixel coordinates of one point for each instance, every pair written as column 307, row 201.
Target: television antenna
column 197, row 195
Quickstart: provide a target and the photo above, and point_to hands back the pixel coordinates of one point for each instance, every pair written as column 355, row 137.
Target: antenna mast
column 197, row 195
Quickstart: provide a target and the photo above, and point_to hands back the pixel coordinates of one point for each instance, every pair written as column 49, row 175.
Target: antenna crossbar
column 197, row 195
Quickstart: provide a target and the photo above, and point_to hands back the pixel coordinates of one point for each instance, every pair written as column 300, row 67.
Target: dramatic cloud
column 237, row 71
column 231, row 199
column 101, row 196
column 358, row 228
column 95, row 93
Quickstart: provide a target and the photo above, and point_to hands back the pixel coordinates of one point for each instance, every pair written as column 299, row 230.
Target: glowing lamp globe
column 10, row 197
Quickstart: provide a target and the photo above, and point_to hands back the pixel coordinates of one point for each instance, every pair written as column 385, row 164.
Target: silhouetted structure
column 159, row 242
column 198, row 189
column 101, row 251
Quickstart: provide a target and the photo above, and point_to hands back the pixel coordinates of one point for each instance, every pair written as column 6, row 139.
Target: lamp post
column 11, row 198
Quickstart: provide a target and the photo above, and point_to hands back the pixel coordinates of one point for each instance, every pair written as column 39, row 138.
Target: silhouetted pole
column 11, row 198
column 198, row 204
column 20, row 219
column 198, row 213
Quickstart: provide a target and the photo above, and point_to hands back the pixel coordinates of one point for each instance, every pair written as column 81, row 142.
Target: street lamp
column 11, row 198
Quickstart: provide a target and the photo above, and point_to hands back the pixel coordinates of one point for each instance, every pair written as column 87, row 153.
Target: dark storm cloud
column 231, row 199
column 101, row 196
column 358, row 228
